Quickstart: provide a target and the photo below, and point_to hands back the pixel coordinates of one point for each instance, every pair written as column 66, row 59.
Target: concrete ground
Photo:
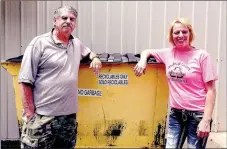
column 216, row 140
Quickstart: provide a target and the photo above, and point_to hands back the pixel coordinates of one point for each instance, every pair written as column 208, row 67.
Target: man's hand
column 29, row 115
column 203, row 129
column 96, row 65
column 140, row 67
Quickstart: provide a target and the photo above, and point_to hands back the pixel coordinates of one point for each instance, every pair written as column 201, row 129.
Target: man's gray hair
column 57, row 12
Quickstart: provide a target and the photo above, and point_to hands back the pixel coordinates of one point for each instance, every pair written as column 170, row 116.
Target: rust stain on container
column 97, row 130
column 143, row 127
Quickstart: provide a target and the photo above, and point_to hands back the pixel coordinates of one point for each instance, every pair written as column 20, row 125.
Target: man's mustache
column 67, row 25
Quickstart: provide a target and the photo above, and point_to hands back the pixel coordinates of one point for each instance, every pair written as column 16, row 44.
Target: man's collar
column 58, row 41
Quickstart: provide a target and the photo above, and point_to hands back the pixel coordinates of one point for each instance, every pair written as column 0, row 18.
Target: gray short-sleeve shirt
column 52, row 70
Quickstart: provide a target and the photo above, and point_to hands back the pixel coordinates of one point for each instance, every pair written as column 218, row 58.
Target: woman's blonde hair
column 186, row 23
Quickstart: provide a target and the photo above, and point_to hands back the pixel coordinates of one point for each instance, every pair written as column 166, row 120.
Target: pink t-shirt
column 187, row 72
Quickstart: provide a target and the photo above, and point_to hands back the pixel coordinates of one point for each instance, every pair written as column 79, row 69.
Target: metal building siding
column 3, row 103
column 10, row 48
column 221, row 104
column 113, row 27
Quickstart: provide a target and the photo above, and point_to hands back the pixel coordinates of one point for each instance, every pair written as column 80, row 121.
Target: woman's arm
column 204, row 126
column 141, row 65
column 210, row 100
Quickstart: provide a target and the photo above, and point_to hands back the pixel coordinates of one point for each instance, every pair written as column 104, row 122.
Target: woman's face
column 181, row 35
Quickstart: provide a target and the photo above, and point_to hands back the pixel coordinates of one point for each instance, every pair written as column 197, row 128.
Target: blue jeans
column 182, row 124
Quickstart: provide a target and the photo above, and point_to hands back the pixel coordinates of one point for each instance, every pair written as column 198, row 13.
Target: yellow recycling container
column 116, row 108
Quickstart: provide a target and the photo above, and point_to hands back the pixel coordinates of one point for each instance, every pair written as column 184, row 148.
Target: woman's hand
column 140, row 67
column 203, row 130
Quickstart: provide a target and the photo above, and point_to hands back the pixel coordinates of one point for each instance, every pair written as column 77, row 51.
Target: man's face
column 66, row 22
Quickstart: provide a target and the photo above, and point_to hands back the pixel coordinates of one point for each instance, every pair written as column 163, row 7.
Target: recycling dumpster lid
column 104, row 58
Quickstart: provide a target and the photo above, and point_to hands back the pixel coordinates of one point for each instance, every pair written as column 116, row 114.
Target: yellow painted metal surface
column 131, row 115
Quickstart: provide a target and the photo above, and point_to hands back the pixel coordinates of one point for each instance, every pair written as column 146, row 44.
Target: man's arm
column 92, row 55
column 95, row 62
column 27, row 99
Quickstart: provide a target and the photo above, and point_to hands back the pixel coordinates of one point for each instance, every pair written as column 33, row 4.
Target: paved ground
column 216, row 140
column 212, row 144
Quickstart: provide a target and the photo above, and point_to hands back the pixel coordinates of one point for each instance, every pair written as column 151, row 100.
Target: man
column 48, row 82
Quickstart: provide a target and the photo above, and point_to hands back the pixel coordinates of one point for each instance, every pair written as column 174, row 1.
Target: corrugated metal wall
column 113, row 26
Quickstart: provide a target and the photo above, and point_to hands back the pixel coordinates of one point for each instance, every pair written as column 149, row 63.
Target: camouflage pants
column 49, row 132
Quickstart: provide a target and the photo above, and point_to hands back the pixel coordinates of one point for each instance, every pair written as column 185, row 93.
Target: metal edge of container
column 104, row 58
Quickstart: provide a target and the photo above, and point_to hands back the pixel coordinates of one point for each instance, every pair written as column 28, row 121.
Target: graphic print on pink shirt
column 176, row 72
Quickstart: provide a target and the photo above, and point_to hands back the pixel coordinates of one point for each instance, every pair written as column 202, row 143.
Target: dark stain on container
column 159, row 138
column 114, row 130
column 96, row 130
column 145, row 147
column 143, row 127
column 111, row 145
column 20, row 125
column 110, row 129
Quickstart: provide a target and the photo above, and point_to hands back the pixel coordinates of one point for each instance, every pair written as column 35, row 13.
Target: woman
column 191, row 79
